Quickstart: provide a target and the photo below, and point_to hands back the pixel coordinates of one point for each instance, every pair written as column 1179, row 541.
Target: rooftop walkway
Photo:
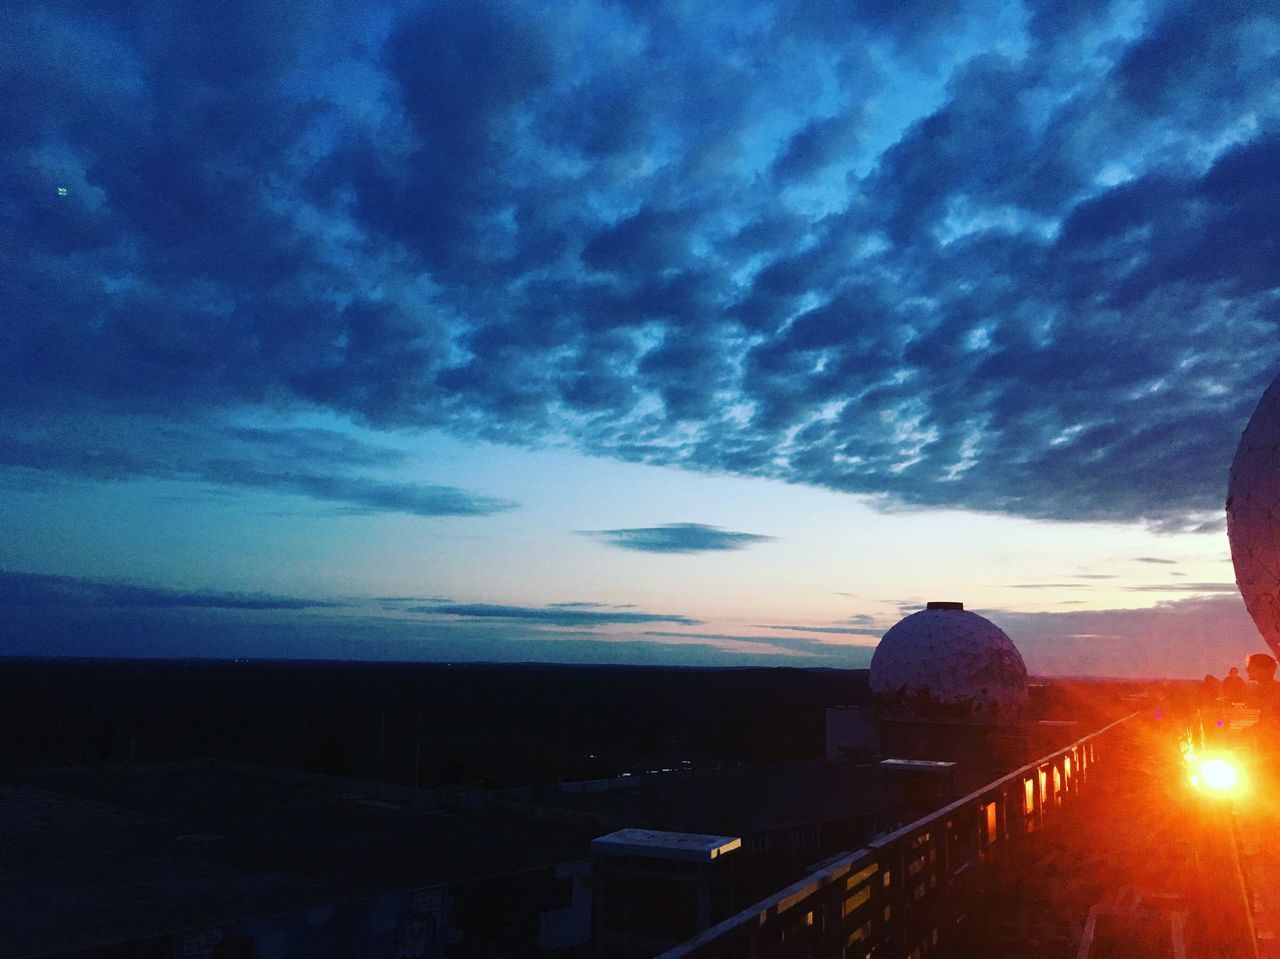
column 1101, row 850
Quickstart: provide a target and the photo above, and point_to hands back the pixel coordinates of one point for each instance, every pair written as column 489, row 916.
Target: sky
column 646, row 332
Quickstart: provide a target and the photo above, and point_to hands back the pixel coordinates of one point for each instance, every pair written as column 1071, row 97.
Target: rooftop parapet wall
column 916, row 884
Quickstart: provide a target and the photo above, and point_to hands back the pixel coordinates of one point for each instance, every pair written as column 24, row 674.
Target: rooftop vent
column 944, row 606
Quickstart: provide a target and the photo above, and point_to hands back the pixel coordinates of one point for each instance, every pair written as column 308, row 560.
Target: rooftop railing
column 914, row 890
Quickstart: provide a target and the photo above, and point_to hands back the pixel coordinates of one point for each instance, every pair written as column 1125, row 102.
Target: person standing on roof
column 1233, row 687
column 1210, row 690
column 1262, row 691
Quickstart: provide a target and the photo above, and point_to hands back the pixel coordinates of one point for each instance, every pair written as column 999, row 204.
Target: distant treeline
column 433, row 723
column 438, row 724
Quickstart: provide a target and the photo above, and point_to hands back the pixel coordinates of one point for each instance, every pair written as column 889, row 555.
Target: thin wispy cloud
column 835, row 630
column 1230, row 588
column 551, row 615
column 37, row 591
column 205, row 632
column 678, row 538
column 322, row 465
column 412, row 599
column 848, row 657
column 1049, row 586
column 581, row 604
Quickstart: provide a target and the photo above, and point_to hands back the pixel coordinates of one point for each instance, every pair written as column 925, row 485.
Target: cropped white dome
column 1253, row 516
column 945, row 663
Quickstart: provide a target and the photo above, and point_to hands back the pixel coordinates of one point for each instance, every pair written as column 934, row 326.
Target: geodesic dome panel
column 1253, row 516
column 948, row 665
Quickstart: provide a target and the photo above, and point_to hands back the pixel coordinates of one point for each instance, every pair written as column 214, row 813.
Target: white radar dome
column 947, row 664
column 1253, row 515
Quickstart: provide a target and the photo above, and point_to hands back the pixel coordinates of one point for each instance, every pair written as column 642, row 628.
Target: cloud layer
column 318, row 464
column 1189, row 638
column 556, row 615
column 66, row 616
column 1016, row 257
column 678, row 538
column 41, row 592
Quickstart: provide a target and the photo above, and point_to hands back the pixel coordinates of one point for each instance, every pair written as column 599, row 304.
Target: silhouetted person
column 1264, row 695
column 1262, row 689
column 1211, row 707
column 1210, row 689
column 1233, row 687
column 1261, row 668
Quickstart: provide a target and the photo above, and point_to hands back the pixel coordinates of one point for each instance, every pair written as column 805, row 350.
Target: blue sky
column 644, row 332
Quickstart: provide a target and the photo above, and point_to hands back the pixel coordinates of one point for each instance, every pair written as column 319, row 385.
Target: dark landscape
column 436, row 724
column 433, row 723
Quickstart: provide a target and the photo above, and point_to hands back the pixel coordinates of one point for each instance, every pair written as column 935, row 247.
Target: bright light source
column 1216, row 775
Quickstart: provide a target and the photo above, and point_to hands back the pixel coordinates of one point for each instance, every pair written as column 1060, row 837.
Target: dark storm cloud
column 39, row 591
column 552, row 615
column 821, row 143
column 678, row 538
column 1010, row 258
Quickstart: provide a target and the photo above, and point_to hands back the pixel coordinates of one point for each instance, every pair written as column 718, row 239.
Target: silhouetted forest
column 433, row 723
column 437, row 724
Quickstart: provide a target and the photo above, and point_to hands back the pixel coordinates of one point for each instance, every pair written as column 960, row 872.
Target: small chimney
column 944, row 606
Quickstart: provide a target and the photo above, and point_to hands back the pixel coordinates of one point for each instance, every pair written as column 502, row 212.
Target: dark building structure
column 213, row 859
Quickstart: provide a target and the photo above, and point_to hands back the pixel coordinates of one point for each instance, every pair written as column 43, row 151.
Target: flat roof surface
column 109, row 854
column 919, row 765
column 658, row 844
column 735, row 801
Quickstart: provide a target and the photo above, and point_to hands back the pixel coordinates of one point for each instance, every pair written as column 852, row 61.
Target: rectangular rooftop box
column 656, row 844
